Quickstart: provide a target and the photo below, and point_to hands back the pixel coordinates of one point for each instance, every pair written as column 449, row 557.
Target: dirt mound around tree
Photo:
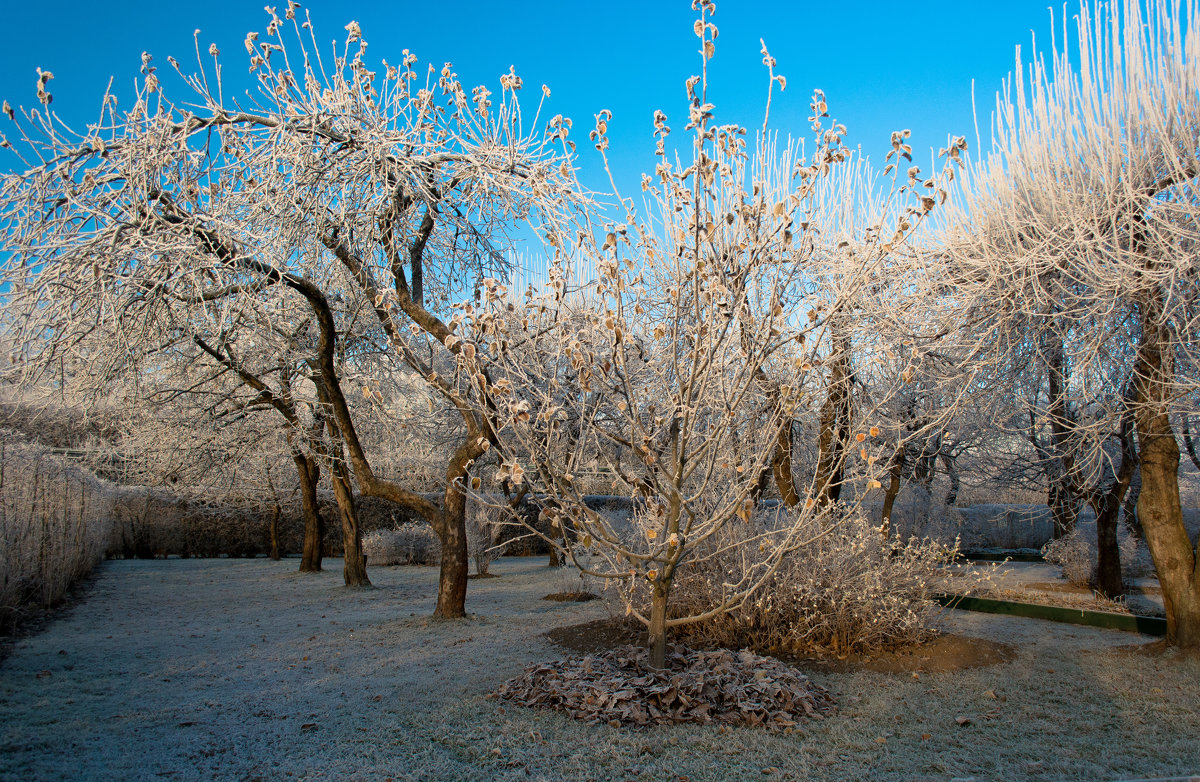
column 945, row 652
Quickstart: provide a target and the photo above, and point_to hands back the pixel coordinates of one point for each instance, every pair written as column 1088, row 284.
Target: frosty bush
column 405, row 544
column 484, row 525
column 55, row 523
column 1077, row 556
column 848, row 591
column 152, row 522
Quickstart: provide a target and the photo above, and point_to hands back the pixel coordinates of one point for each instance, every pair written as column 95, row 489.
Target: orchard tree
column 709, row 327
column 1081, row 227
column 361, row 196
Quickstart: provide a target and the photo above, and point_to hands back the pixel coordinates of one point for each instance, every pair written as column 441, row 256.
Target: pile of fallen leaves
column 618, row 687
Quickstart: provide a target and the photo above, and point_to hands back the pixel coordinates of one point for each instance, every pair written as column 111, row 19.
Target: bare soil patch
column 571, row 597
column 1159, row 649
column 945, row 652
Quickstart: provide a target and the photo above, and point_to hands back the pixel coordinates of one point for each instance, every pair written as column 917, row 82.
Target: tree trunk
column 452, row 578
column 1108, row 567
column 555, row 559
column 273, row 530
column 452, row 530
column 658, row 625
column 1061, row 493
column 896, row 470
column 1064, row 507
column 1187, row 441
column 1159, row 508
column 314, row 528
column 781, row 466
column 276, row 512
column 835, row 427
column 1129, row 507
column 925, row 469
column 354, row 568
column 951, row 463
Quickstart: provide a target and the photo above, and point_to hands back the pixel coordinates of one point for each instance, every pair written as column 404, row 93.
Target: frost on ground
column 236, row 669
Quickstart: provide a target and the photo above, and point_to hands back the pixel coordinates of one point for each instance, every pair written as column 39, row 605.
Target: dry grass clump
column 55, row 523
column 847, row 592
column 1078, row 556
column 411, row 543
column 619, row 687
column 415, row 542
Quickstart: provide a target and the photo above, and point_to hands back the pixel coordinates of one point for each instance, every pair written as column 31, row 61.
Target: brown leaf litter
column 618, row 686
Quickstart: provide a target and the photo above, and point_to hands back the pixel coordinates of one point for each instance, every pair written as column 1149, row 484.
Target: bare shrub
column 405, row 544
column 573, row 583
column 484, row 523
column 846, row 592
column 55, row 523
column 1077, row 555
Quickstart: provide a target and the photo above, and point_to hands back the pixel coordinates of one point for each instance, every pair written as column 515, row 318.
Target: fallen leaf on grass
column 963, row 721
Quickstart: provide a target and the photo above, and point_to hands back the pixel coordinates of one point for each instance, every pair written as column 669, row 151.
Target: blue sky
column 883, row 66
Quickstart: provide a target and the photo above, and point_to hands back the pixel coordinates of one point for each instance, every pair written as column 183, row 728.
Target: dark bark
column 555, row 535
column 1108, row 509
column 1159, row 508
column 895, row 471
column 1187, row 442
column 781, row 466
column 452, row 578
column 276, row 512
column 354, row 569
column 1129, row 507
column 925, row 466
column 952, row 473
column 835, row 427
column 1062, row 494
column 657, row 629
column 309, row 473
column 273, row 530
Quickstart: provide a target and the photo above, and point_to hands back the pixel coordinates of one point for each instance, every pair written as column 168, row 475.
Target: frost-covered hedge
column 56, row 523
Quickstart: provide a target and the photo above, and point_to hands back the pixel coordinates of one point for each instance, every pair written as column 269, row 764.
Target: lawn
column 245, row 669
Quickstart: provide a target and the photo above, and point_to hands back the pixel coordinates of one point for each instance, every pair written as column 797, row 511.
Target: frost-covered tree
column 1080, row 230
column 368, row 198
column 720, row 315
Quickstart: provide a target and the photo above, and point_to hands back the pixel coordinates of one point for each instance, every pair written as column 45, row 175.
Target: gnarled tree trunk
column 452, row 578
column 835, row 426
column 1159, row 508
column 1108, row 567
column 309, row 472
column 896, row 472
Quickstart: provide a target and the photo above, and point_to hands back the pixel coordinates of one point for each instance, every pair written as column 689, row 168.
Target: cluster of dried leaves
column 619, row 687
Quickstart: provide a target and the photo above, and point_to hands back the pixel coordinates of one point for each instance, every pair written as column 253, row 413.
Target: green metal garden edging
column 1150, row 625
